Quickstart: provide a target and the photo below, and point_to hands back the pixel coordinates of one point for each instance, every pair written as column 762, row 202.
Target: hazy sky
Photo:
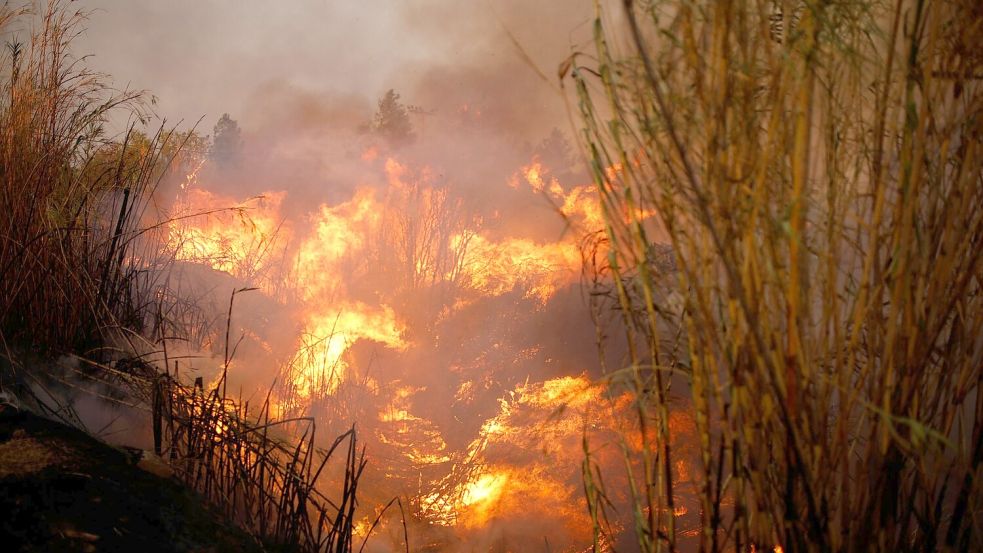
column 206, row 57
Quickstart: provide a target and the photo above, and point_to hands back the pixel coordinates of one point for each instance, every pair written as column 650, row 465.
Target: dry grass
column 76, row 256
column 245, row 463
column 84, row 267
column 816, row 169
column 259, row 478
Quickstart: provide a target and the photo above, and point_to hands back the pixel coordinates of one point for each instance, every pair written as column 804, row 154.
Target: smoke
column 466, row 363
column 205, row 58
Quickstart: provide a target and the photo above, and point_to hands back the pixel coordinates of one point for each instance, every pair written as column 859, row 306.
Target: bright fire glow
column 382, row 269
column 230, row 236
column 498, row 267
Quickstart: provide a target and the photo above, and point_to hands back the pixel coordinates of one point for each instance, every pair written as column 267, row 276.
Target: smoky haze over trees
column 392, row 120
column 340, row 52
column 226, row 142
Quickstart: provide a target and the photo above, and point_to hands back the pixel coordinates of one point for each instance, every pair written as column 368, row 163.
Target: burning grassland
column 450, row 331
column 777, row 344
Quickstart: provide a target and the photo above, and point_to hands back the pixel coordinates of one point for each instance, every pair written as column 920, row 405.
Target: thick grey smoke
column 202, row 58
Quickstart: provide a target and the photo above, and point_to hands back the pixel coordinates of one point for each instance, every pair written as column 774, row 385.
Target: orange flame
column 522, row 457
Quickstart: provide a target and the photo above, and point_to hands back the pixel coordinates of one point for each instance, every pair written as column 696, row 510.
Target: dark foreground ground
column 62, row 490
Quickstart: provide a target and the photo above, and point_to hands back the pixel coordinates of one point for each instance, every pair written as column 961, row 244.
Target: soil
column 62, row 490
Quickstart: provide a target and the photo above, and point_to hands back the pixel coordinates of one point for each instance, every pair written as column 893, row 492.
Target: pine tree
column 392, row 120
column 226, row 141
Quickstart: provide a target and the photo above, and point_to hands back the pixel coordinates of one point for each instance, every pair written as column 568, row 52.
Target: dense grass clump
column 74, row 204
column 815, row 168
column 84, row 275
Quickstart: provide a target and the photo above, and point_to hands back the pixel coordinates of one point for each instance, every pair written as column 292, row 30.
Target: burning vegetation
column 741, row 311
column 385, row 288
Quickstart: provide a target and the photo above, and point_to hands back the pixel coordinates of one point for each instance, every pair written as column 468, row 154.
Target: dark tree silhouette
column 226, row 141
column 392, row 120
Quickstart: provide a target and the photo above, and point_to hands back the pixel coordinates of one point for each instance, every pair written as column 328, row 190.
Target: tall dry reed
column 76, row 205
column 814, row 171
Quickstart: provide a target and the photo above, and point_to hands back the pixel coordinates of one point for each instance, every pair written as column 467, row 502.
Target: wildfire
column 319, row 362
column 498, row 267
column 579, row 205
column 522, row 457
column 233, row 237
column 338, row 233
column 364, row 271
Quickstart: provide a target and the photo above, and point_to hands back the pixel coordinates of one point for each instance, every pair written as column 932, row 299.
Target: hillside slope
column 62, row 490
